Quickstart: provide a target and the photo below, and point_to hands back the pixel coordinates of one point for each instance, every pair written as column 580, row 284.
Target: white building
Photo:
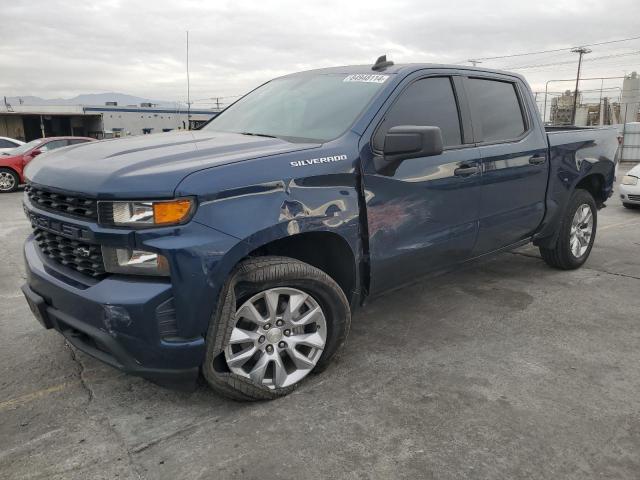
column 27, row 122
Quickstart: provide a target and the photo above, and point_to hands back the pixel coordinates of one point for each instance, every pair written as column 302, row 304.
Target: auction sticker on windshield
column 366, row 77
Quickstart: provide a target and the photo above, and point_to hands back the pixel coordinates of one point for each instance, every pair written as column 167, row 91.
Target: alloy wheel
column 7, row 181
column 581, row 230
column 278, row 337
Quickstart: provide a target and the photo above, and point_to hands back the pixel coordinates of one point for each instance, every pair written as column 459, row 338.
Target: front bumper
column 630, row 194
column 153, row 327
column 129, row 340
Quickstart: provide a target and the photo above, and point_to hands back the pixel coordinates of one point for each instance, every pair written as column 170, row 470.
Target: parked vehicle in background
column 241, row 249
column 7, row 144
column 630, row 188
column 12, row 164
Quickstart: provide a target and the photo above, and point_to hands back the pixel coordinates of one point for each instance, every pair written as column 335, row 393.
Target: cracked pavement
column 508, row 369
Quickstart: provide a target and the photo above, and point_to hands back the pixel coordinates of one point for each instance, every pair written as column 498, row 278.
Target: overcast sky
column 53, row 48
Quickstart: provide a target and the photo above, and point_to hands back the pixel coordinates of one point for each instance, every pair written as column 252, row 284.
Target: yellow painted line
column 29, row 397
column 621, row 224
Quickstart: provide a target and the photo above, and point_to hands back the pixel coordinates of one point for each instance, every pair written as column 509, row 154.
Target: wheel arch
column 594, row 183
column 14, row 171
column 325, row 250
column 11, row 169
column 594, row 176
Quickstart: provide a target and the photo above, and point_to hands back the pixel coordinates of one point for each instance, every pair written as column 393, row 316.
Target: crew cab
column 240, row 250
column 12, row 163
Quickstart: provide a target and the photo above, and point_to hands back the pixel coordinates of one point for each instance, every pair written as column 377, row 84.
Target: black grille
column 634, row 197
column 105, row 213
column 62, row 203
column 84, row 257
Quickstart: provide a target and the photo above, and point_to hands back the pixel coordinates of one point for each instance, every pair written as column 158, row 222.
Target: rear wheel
column 279, row 320
column 577, row 233
column 9, row 180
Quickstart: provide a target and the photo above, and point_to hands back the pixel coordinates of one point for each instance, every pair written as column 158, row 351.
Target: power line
column 589, row 90
column 569, row 62
column 552, row 51
column 216, row 98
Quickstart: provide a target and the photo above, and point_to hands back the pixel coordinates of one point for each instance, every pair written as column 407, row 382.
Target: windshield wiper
column 258, row 134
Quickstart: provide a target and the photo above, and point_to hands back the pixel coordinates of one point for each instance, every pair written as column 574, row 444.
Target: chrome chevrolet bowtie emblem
column 274, row 335
column 82, row 252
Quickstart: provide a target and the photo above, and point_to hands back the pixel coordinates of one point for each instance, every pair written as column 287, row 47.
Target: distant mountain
column 88, row 99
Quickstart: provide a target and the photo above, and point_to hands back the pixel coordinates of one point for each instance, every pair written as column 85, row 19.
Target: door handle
column 537, row 160
column 466, row 170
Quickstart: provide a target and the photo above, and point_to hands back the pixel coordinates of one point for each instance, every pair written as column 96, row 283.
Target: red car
column 12, row 163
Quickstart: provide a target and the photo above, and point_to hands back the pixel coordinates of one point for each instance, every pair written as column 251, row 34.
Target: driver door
column 423, row 216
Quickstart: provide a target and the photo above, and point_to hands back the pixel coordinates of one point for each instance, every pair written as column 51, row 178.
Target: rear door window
column 429, row 102
column 497, row 113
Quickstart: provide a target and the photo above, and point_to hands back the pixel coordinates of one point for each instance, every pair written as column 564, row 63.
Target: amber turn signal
column 171, row 212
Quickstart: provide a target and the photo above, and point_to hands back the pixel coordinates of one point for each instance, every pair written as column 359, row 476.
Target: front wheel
column 9, row 180
column 278, row 320
column 577, row 233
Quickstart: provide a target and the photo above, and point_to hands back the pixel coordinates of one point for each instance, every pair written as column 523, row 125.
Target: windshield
column 301, row 108
column 26, row 147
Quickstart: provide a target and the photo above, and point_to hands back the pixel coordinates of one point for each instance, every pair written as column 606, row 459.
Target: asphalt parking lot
column 506, row 370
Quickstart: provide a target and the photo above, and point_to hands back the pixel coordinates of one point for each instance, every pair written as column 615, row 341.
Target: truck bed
column 605, row 137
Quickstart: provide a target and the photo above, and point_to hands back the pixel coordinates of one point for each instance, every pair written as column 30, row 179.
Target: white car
column 630, row 188
column 7, row 144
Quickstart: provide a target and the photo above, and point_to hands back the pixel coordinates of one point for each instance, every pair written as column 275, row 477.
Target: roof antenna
column 381, row 63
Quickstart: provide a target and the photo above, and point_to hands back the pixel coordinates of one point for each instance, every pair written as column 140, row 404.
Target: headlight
column 145, row 213
column 629, row 180
column 134, row 262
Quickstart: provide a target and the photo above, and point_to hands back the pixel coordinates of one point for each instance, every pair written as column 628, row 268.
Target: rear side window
column 7, row 144
column 427, row 103
column 496, row 110
column 52, row 145
column 75, row 141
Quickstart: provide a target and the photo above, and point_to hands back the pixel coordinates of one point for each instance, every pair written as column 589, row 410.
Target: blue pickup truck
column 239, row 251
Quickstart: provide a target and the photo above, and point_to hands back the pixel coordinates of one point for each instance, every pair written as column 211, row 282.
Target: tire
column 9, row 180
column 268, row 277
column 563, row 256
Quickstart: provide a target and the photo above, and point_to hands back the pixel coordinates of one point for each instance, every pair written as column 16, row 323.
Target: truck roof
column 405, row 68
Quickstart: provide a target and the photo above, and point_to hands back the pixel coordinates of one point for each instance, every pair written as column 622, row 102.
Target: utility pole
column 600, row 120
column 188, row 88
column 474, row 62
column 581, row 51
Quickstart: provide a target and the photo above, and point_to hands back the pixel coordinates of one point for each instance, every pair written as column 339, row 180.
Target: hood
column 147, row 166
column 635, row 171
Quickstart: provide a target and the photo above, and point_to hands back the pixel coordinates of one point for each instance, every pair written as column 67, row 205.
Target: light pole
column 188, row 88
column 581, row 51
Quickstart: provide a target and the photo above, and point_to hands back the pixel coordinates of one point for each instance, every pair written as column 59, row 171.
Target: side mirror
column 408, row 141
column 36, row 152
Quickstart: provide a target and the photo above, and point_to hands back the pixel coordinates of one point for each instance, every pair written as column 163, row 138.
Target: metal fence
column 630, row 150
